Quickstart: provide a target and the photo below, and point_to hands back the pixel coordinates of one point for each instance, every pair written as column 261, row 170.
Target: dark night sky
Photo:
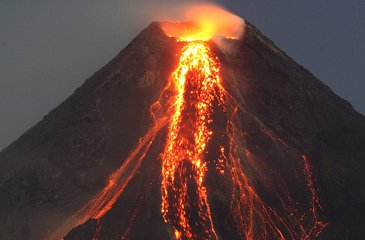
column 48, row 47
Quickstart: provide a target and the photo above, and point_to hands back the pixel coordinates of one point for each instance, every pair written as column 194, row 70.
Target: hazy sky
column 48, row 48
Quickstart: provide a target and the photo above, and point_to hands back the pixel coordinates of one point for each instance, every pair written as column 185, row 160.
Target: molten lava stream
column 184, row 197
column 185, row 205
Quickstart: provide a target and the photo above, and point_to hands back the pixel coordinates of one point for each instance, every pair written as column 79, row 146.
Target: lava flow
column 260, row 207
column 197, row 83
column 185, row 201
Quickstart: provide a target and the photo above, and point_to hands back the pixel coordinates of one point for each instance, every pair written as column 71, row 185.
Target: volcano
column 190, row 139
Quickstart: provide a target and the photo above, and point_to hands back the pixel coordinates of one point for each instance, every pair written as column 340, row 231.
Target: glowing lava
column 196, row 85
column 196, row 82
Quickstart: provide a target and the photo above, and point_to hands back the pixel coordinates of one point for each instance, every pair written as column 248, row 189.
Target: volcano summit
column 184, row 136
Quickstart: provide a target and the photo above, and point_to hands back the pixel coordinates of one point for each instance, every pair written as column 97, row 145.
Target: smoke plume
column 210, row 20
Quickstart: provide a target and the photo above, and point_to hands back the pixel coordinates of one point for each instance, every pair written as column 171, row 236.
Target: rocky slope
column 59, row 164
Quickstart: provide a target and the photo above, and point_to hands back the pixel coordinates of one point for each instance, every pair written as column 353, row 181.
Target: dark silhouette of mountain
column 58, row 165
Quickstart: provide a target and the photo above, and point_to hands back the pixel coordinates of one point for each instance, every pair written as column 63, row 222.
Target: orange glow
column 196, row 82
column 206, row 22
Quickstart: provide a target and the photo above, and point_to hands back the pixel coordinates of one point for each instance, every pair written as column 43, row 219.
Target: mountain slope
column 51, row 170
column 59, row 164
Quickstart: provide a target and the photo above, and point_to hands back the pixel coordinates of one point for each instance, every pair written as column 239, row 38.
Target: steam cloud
column 212, row 20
